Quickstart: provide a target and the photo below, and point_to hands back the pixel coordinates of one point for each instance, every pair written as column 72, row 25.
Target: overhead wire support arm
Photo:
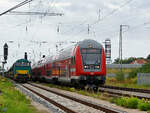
column 34, row 13
column 15, row 7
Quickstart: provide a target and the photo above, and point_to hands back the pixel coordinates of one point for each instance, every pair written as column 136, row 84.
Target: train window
column 74, row 59
column 53, row 65
column 91, row 50
column 22, row 64
column 71, row 60
column 91, row 56
column 48, row 73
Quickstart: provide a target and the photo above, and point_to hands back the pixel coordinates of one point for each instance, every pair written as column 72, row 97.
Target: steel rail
column 51, row 101
column 93, row 105
column 119, row 94
column 128, row 89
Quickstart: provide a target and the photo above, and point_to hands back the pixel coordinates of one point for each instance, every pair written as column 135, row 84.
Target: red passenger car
column 80, row 65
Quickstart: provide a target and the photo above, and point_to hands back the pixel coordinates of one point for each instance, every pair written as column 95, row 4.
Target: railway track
column 128, row 89
column 122, row 91
column 76, row 105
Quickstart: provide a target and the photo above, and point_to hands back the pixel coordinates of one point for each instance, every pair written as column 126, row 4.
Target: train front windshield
column 23, row 64
column 91, row 57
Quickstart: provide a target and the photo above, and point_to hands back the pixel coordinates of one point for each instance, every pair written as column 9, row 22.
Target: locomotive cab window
column 22, row 64
column 91, row 57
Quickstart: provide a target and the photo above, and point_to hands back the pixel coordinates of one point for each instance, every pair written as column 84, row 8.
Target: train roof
column 89, row 42
column 68, row 52
column 22, row 60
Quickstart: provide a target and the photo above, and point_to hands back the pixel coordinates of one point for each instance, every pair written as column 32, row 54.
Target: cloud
column 112, row 6
column 74, row 25
column 61, row 4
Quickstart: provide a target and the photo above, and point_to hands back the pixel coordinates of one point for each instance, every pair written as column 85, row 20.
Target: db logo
column 92, row 73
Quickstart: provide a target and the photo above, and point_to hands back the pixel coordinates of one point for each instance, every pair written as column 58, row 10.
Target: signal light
column 25, row 56
column 5, row 51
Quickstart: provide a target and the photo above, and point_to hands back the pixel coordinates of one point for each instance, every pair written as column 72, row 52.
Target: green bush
column 113, row 100
column 133, row 74
column 144, row 69
column 120, row 76
column 121, row 101
column 127, row 102
column 144, row 105
column 132, row 102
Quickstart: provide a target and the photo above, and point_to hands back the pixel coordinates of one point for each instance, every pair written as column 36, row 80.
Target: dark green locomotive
column 20, row 71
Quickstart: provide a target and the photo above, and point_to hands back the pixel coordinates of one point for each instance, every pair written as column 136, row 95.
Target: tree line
column 131, row 59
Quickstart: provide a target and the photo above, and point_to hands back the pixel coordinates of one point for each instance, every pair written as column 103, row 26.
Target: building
column 139, row 61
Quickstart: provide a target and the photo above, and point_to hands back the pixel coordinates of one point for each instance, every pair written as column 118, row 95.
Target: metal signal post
column 5, row 57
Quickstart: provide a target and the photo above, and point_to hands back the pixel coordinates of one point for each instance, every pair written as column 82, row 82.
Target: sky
column 38, row 34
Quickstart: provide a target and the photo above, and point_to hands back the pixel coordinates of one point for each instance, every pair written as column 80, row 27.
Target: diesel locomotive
column 20, row 70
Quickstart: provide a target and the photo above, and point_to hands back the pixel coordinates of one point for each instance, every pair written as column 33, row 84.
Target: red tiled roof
column 139, row 61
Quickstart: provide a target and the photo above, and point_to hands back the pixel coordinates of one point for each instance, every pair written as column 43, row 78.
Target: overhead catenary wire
column 15, row 7
column 35, row 13
column 102, row 19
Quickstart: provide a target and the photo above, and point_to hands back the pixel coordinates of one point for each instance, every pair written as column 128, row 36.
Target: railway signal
column 5, row 51
column 5, row 57
column 25, row 56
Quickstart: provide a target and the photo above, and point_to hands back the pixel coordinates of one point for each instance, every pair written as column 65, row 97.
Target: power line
column 15, row 7
column 35, row 13
column 104, row 18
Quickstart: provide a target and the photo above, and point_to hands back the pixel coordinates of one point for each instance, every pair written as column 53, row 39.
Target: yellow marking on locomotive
column 15, row 76
column 22, row 71
column 29, row 75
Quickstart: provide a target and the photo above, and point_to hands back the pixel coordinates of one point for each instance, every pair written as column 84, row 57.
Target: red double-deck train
column 80, row 65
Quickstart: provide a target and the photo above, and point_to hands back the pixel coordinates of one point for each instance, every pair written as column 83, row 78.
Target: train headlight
column 97, row 67
column 86, row 67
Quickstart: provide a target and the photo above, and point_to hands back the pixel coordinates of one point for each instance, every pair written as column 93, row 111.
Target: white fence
column 143, row 78
column 114, row 75
column 124, row 65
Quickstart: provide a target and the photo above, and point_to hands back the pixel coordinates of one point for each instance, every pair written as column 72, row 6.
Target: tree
column 148, row 57
column 125, row 61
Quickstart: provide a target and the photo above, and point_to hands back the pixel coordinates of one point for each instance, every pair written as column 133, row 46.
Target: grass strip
column 12, row 101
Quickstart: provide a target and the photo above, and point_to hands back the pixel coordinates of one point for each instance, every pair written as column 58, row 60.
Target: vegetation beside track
column 131, row 80
column 127, row 102
column 127, row 82
column 12, row 101
column 126, row 71
column 98, row 95
column 133, row 103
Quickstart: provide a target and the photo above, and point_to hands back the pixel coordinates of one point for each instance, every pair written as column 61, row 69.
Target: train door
column 69, row 66
column 67, row 72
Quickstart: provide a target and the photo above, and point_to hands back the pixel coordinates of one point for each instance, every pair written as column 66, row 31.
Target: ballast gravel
column 41, row 104
column 75, row 106
column 95, row 100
